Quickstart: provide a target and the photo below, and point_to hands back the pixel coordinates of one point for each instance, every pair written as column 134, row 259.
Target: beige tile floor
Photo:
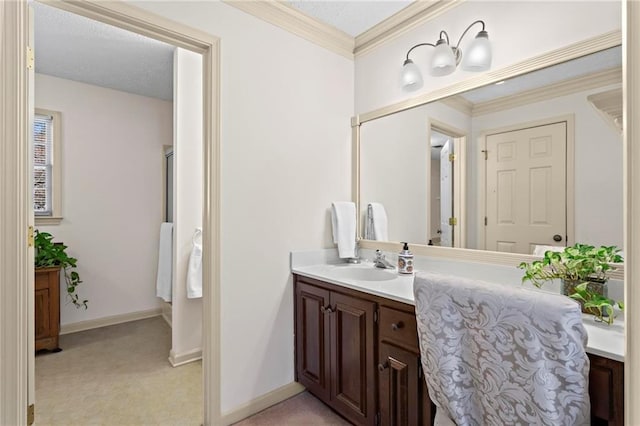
column 117, row 375
column 120, row 376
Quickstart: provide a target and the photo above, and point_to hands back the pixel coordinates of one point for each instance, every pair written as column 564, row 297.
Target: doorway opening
column 447, row 223
column 206, row 46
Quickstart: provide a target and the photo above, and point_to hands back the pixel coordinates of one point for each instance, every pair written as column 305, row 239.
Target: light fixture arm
column 465, row 31
column 445, row 34
column 418, row 45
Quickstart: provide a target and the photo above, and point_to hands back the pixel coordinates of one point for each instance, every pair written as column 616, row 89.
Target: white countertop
column 604, row 340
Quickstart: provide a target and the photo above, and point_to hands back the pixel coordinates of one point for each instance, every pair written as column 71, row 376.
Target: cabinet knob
column 383, row 366
column 397, row 325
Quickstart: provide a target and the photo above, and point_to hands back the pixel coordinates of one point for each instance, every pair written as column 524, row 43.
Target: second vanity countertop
column 604, row 340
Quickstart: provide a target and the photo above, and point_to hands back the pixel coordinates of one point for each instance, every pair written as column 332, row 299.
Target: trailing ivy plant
column 579, row 266
column 578, row 263
column 49, row 254
column 597, row 304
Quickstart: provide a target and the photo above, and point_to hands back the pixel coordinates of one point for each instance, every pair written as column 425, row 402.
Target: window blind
column 42, row 165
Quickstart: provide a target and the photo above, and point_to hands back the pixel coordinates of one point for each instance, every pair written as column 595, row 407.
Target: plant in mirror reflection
column 600, row 306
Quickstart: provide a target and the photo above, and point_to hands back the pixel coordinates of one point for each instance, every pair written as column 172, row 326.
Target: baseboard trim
column 262, row 403
column 177, row 360
column 110, row 320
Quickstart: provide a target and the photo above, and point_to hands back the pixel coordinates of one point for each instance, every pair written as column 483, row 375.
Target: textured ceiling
column 352, row 17
column 80, row 49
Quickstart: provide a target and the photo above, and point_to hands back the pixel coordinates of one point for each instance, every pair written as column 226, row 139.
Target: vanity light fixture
column 445, row 58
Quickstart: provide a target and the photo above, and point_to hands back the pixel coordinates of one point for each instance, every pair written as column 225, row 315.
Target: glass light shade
column 478, row 56
column 411, row 76
column 443, row 61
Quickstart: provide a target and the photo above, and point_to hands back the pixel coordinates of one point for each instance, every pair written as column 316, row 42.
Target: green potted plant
column 49, row 254
column 576, row 265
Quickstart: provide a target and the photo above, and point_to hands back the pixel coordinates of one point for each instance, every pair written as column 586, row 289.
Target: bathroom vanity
column 357, row 347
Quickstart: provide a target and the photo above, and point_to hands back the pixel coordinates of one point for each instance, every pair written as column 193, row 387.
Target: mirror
column 536, row 161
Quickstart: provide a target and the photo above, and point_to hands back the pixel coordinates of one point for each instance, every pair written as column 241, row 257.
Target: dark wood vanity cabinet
column 344, row 360
column 335, row 357
column 359, row 354
column 47, row 308
column 606, row 389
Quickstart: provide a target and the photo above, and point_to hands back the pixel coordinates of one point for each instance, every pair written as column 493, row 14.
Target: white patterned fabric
column 501, row 355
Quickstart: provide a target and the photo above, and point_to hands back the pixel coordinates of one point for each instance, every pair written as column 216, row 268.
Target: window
column 46, row 167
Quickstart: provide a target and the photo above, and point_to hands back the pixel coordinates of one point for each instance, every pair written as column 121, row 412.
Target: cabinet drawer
column 399, row 327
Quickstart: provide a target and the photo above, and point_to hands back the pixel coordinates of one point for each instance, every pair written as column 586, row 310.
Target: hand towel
column 541, row 250
column 194, row 271
column 378, row 222
column 165, row 261
column 501, row 355
column 343, row 221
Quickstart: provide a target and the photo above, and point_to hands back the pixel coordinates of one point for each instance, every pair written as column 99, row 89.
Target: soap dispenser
column 405, row 260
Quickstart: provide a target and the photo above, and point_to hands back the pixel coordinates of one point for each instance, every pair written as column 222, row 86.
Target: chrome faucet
column 381, row 262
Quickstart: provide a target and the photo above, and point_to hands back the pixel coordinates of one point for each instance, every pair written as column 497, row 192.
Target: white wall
column 112, row 192
column 598, row 159
column 518, row 30
column 286, row 155
column 186, row 330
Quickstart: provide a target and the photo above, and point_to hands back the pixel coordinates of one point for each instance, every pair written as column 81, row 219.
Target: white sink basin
column 367, row 274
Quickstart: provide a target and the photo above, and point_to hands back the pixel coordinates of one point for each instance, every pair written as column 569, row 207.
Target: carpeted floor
column 120, row 376
column 301, row 410
column 117, row 375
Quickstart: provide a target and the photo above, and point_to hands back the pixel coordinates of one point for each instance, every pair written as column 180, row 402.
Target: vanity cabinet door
column 606, row 391
column 353, row 370
column 404, row 399
column 312, row 339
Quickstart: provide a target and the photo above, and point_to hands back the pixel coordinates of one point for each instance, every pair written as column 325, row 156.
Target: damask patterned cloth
column 501, row 355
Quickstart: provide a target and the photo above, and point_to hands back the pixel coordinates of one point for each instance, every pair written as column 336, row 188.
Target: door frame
column 459, row 178
column 569, row 172
column 15, row 309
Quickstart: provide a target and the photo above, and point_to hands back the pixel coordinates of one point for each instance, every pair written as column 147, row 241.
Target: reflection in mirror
column 537, row 160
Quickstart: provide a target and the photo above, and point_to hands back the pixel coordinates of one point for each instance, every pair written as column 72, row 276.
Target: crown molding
column 562, row 88
column 609, row 105
column 459, row 103
column 290, row 19
column 401, row 22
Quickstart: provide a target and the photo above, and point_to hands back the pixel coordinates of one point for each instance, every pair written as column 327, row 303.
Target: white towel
column 343, row 220
column 541, row 250
column 165, row 260
column 376, row 223
column 194, row 271
column 495, row 354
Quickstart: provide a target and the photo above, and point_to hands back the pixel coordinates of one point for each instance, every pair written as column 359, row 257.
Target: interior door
column 446, row 195
column 526, row 188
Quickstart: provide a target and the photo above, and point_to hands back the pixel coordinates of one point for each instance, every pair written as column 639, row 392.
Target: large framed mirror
column 527, row 161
